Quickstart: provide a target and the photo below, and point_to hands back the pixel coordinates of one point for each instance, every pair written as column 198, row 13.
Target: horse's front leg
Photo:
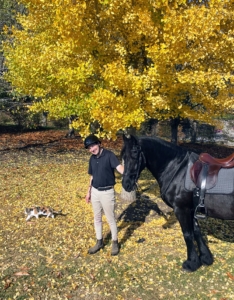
column 206, row 256
column 185, row 218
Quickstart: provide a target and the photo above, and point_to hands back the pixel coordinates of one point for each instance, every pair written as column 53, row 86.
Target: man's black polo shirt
column 102, row 169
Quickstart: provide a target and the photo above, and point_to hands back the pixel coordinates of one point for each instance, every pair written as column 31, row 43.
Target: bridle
column 141, row 158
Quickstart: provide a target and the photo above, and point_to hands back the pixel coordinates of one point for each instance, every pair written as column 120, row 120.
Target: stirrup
column 200, row 212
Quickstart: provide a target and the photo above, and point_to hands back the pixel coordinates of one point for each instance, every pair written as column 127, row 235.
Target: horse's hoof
column 191, row 266
column 186, row 270
column 207, row 260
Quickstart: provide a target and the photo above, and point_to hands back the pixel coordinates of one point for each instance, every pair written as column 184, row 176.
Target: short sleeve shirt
column 102, row 169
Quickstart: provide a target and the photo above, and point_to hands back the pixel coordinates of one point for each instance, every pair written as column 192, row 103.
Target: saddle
column 213, row 165
column 204, row 174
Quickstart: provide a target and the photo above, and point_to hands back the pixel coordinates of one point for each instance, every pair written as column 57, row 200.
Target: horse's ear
column 126, row 137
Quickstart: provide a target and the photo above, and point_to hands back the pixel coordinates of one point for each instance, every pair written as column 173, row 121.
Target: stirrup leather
column 199, row 196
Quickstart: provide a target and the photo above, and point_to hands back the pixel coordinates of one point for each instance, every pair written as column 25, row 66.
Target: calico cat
column 37, row 211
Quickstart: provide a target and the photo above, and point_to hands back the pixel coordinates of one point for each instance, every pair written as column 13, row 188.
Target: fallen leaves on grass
column 21, row 273
column 49, row 256
column 230, row 275
column 7, row 283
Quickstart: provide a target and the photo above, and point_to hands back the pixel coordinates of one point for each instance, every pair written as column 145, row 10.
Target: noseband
column 141, row 158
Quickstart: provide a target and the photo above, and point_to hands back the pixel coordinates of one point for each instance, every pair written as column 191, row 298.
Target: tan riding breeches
column 104, row 201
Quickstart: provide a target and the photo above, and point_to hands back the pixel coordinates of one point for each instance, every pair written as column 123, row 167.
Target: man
column 102, row 165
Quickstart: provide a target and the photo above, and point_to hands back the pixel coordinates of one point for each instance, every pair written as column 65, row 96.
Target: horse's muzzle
column 128, row 185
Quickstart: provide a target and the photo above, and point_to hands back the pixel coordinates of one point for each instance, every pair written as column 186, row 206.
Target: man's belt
column 105, row 188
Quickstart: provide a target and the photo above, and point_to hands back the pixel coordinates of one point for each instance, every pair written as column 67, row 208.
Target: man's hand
column 88, row 197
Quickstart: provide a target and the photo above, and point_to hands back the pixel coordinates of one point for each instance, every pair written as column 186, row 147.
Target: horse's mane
column 153, row 141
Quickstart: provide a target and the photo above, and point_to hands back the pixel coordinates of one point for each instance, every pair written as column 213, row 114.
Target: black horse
column 168, row 163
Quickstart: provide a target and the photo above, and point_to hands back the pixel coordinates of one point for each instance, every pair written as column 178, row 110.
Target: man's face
column 94, row 149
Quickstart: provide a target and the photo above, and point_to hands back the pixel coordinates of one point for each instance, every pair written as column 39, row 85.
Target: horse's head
column 134, row 162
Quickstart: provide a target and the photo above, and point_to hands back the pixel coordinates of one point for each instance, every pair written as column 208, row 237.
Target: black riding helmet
column 90, row 140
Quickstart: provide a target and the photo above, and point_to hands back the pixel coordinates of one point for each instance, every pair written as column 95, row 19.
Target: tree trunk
column 71, row 130
column 71, row 133
column 44, row 119
column 174, row 123
column 153, row 127
column 194, row 131
column 128, row 196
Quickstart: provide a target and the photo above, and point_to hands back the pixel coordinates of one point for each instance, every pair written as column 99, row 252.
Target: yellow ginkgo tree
column 121, row 62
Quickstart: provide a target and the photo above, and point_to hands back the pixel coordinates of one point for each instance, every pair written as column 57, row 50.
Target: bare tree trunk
column 152, row 127
column 174, row 123
column 194, row 131
column 128, row 196
column 71, row 130
column 44, row 119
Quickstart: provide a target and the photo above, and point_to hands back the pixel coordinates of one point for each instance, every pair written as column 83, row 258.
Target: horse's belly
column 220, row 206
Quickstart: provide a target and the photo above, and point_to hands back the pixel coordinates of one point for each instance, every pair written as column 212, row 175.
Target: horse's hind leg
column 206, row 257
column 186, row 222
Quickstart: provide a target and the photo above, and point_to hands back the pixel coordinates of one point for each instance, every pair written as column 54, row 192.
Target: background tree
column 6, row 18
column 120, row 63
column 15, row 108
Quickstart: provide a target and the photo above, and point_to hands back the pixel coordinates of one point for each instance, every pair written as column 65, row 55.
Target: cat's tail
column 59, row 212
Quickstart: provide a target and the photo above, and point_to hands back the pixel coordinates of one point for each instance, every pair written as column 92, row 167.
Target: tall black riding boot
column 99, row 245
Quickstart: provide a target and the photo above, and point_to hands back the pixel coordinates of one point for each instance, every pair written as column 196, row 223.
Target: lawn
column 47, row 258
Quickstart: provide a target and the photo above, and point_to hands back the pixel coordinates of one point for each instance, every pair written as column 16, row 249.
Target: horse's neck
column 161, row 158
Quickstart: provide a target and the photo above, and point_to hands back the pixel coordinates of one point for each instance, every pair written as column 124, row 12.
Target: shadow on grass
column 220, row 229
column 134, row 216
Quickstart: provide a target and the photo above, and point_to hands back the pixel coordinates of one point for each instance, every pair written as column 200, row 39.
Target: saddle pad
column 225, row 180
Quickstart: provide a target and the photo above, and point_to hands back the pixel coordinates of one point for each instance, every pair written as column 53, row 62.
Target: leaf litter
column 47, row 258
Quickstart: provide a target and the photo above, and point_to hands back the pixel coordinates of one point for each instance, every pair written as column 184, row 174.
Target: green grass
column 52, row 253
